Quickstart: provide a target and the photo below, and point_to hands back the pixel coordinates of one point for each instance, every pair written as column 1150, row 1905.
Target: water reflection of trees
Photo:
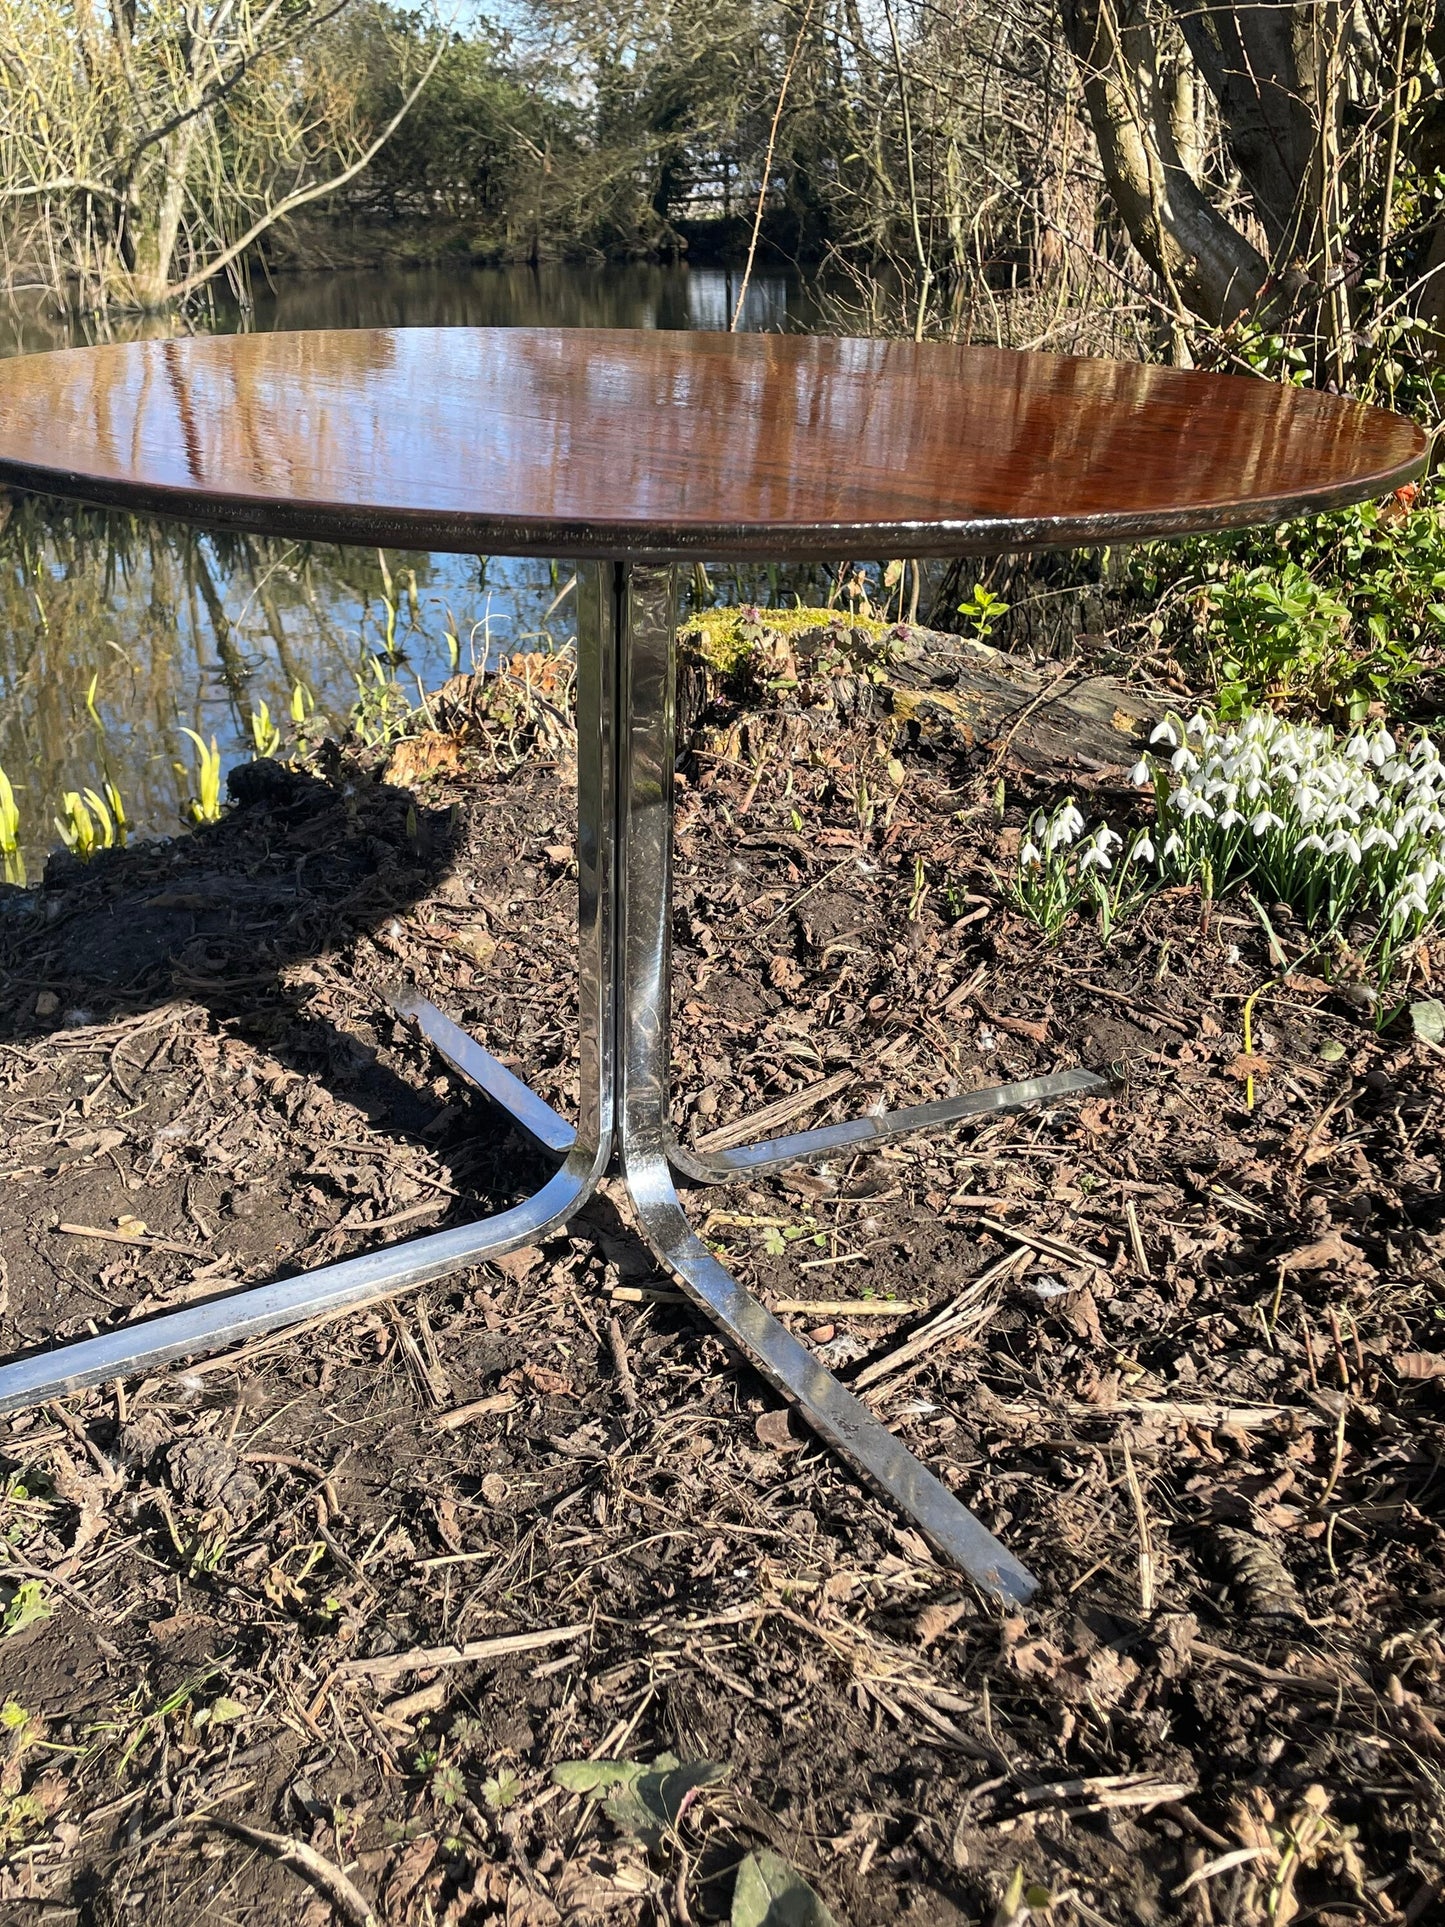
column 175, row 627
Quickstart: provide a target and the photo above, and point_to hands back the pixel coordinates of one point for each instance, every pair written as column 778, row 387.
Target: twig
column 765, row 180
column 421, row 1659
column 1136, row 1239
column 619, row 1359
column 1146, row 1544
column 803, row 895
column 1056, row 1248
column 141, row 1240
column 780, row 1111
column 964, row 1310
column 305, row 1860
column 645, row 1295
column 460, row 1415
column 848, row 1307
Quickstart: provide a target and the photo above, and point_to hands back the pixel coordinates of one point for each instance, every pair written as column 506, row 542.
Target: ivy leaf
column 770, row 1893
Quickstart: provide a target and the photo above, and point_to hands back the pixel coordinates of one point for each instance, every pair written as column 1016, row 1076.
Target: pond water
column 118, row 634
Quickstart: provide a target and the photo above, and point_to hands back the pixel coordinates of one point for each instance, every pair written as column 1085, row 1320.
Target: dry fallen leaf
column 421, row 759
column 474, row 942
column 934, row 1621
column 1329, row 1250
column 1248, row 1064
column 551, row 1384
column 1419, row 1364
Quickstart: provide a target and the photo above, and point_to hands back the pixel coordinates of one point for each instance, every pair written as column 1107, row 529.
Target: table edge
column 464, row 533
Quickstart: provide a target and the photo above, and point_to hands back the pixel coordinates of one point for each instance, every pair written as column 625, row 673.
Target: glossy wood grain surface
column 600, row 442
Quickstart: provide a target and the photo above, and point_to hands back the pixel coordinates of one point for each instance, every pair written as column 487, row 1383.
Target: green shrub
column 1330, row 615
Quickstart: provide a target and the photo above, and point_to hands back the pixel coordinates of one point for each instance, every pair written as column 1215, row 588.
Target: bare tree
column 145, row 145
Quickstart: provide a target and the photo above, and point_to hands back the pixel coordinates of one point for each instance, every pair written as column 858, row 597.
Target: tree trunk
column 1207, row 265
column 1266, row 66
column 159, row 227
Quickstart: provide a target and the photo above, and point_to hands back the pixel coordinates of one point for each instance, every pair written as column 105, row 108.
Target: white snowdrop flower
column 1228, row 818
column 1142, row 774
column 1143, row 850
column 1172, row 846
column 1311, row 842
column 1029, row 858
column 1184, row 762
column 1375, row 836
column 1188, row 805
column 1164, row 733
column 1095, row 858
column 1198, row 724
column 1265, row 821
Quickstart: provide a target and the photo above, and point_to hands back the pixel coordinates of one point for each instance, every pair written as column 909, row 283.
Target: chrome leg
column 214, row 1323
column 806, row 1147
column 645, row 624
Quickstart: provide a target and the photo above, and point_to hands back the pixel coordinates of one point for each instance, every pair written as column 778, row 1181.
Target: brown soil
column 1212, row 1422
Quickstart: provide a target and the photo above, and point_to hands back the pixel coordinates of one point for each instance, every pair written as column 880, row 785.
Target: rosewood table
column 632, row 453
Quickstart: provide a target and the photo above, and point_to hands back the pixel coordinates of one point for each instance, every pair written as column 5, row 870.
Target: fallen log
column 1052, row 716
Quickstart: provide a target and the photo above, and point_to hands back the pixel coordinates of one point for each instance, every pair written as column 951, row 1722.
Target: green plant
column 1327, row 615
column 381, row 713
column 26, row 1605
column 1348, row 831
column 10, row 851
column 91, row 822
column 1278, row 635
column 264, row 733
column 204, row 804
column 984, row 611
column 1060, row 868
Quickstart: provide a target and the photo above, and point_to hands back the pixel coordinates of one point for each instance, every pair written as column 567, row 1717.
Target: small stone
column 46, row 1004
column 774, row 1431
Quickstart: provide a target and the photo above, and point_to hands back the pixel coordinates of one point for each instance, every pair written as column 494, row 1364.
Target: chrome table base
column 626, row 751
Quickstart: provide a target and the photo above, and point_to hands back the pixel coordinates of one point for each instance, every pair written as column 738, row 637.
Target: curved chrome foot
column 805, row 1147
column 474, row 1062
column 217, row 1322
column 832, row 1411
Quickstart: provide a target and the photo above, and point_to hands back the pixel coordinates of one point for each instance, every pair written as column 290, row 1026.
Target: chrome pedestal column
column 626, row 736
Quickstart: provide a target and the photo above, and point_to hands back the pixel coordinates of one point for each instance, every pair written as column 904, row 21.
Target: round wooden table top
column 592, row 442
